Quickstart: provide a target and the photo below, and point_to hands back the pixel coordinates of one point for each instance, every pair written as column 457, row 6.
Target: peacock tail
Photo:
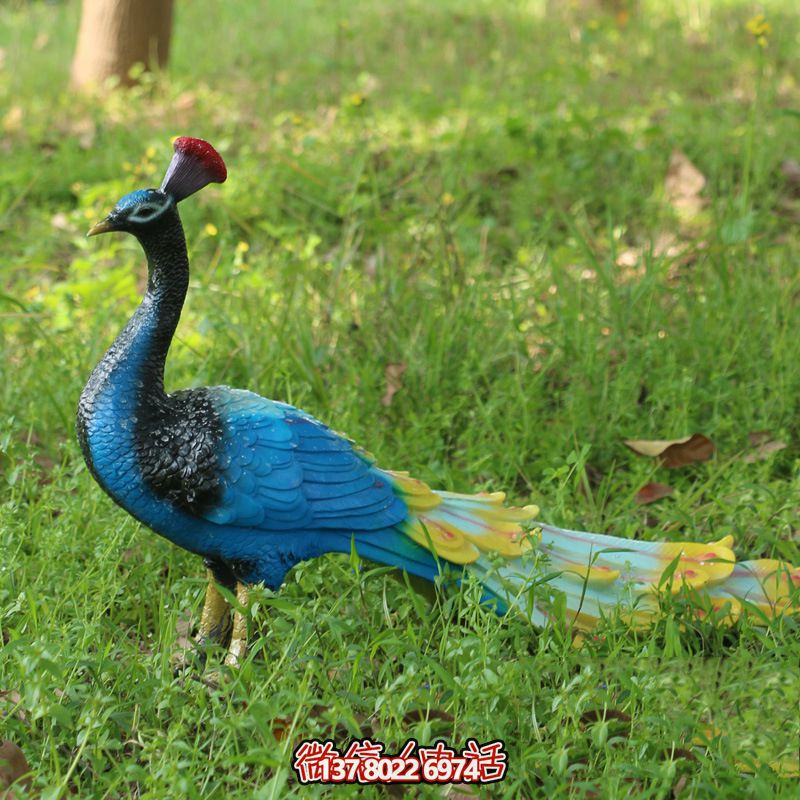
column 532, row 566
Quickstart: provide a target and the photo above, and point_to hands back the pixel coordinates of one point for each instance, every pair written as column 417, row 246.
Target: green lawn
column 475, row 189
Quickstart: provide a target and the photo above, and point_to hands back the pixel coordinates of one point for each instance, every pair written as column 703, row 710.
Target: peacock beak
column 104, row 226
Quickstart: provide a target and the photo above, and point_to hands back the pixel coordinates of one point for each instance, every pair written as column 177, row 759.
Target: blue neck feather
column 127, row 386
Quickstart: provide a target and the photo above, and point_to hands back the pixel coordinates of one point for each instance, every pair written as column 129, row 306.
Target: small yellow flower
column 357, row 99
column 759, row 28
column 211, row 229
column 242, row 247
column 448, row 199
column 150, row 152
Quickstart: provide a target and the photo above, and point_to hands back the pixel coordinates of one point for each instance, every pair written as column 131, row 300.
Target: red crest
column 195, row 164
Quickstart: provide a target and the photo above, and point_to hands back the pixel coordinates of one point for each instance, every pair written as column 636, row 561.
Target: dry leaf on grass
column 60, row 222
column 757, row 438
column 789, row 209
column 680, row 785
column 683, row 185
column 459, row 791
column 679, row 253
column 11, row 698
column 183, row 647
column 393, row 375
column 790, row 169
column 651, row 492
column 183, row 630
column 338, row 731
column 764, row 446
column 14, row 768
column 603, row 715
column 430, row 715
column 12, row 122
column 674, row 452
column 630, row 257
column 83, row 129
column 784, row 767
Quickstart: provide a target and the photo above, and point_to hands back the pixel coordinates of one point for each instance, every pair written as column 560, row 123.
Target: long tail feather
column 771, row 587
column 537, row 567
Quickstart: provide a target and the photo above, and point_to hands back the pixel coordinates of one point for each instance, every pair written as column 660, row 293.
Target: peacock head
column 136, row 212
column 194, row 165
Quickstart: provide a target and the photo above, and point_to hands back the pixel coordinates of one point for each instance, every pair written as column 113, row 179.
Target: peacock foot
column 215, row 619
column 237, row 649
column 215, row 629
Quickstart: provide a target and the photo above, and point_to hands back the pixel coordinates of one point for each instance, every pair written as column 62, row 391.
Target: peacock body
column 255, row 486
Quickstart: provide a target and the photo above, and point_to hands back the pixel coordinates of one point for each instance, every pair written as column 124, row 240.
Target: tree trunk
column 116, row 34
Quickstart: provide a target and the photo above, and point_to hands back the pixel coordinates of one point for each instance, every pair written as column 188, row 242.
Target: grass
column 451, row 186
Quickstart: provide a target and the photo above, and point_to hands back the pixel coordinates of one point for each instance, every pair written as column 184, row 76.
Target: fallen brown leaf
column 764, row 446
column 629, row 257
column 651, row 492
column 789, row 209
column 393, row 375
column 757, row 438
column 339, row 731
column 666, row 244
column 12, row 121
column 427, row 715
column 12, row 697
column 84, row 129
column 602, row 715
column 458, row 791
column 14, row 768
column 683, row 184
column 181, row 654
column 60, row 221
column 790, row 169
column 674, row 753
column 186, row 101
column 680, row 785
column 674, row 452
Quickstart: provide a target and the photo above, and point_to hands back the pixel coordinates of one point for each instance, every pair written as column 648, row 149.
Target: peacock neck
column 156, row 319
column 127, row 387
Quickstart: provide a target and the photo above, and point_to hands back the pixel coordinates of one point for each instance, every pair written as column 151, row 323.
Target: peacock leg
column 215, row 620
column 238, row 646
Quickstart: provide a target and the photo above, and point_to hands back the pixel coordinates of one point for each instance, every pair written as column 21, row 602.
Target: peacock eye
column 145, row 213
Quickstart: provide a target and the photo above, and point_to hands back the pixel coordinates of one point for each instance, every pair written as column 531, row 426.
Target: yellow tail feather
column 596, row 574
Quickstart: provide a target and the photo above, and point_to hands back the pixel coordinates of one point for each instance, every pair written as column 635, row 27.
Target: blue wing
column 282, row 470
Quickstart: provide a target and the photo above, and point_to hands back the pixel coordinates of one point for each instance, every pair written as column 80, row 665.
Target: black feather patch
column 176, row 447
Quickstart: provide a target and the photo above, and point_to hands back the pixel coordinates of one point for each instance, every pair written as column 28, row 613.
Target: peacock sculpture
column 255, row 486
